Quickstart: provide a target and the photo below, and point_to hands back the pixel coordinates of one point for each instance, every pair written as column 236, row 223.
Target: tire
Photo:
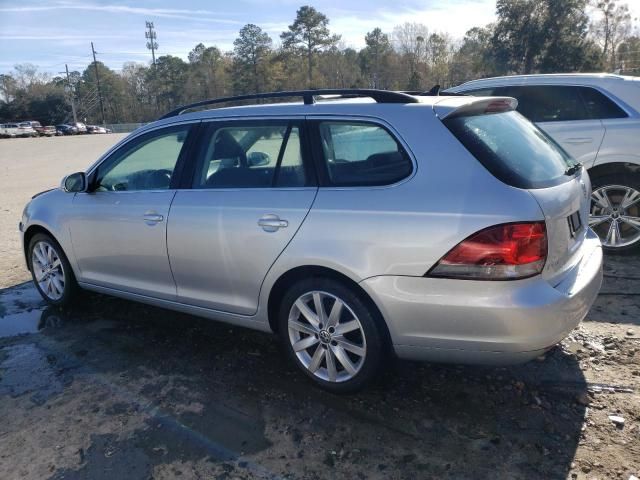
column 356, row 353
column 47, row 261
column 615, row 203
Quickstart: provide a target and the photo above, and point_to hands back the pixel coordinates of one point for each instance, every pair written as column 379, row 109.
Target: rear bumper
column 465, row 321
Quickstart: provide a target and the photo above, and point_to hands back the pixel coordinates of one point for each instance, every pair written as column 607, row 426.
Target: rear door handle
column 271, row 223
column 151, row 218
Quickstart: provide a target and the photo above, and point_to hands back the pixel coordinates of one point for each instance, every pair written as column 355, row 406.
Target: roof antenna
column 435, row 90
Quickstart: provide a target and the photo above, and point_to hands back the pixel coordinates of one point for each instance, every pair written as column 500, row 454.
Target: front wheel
column 51, row 271
column 331, row 334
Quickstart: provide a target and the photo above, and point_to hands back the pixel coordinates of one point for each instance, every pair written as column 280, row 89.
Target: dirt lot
column 111, row 389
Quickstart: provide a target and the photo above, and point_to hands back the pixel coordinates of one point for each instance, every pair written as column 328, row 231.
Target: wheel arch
column 29, row 233
column 613, row 168
column 293, row 275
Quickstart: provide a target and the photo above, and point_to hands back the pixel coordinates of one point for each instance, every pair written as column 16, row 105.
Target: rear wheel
column 615, row 212
column 50, row 270
column 331, row 334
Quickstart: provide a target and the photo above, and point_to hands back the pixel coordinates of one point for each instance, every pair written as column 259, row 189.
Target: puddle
column 22, row 311
column 27, row 369
column 33, row 321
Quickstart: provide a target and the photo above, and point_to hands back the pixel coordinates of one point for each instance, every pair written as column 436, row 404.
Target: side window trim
column 283, row 148
column 114, row 155
column 320, row 164
column 209, row 127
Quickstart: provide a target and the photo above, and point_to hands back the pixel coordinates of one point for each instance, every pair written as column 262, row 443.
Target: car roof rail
column 308, row 96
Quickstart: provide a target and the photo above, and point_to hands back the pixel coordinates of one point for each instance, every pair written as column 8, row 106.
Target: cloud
column 182, row 14
column 454, row 18
column 54, row 36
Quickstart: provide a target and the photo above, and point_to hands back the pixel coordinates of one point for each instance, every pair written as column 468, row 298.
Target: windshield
column 513, row 149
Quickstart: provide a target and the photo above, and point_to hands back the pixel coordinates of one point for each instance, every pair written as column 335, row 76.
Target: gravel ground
column 111, row 389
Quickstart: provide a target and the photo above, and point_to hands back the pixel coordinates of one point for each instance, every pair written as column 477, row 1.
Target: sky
column 52, row 33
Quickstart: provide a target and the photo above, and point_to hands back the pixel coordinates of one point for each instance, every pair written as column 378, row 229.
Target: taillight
column 502, row 252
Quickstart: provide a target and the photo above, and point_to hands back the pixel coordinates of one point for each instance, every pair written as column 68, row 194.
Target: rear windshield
column 513, row 149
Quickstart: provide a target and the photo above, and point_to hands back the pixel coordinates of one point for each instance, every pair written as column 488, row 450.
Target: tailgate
column 566, row 212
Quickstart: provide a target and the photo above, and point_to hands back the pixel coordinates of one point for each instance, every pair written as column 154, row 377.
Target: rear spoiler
column 451, row 107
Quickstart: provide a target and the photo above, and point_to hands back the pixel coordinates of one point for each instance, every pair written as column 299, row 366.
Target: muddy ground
column 112, row 389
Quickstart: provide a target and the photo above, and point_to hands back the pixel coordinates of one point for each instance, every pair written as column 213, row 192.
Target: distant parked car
column 81, row 127
column 37, row 126
column 48, row 131
column 96, row 129
column 9, row 130
column 596, row 119
column 26, row 130
column 65, row 129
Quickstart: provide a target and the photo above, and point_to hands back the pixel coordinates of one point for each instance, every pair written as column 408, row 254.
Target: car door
column 560, row 111
column 252, row 188
column 118, row 228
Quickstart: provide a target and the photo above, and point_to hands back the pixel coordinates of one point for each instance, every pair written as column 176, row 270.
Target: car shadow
column 159, row 391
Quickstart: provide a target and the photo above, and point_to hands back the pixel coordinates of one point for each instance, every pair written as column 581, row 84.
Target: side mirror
column 76, row 182
column 258, row 159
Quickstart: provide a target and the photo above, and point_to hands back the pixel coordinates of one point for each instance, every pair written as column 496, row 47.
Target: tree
column 409, row 40
column 540, row 35
column 373, row 58
column 206, row 76
column 438, row 52
column 612, row 28
column 629, row 56
column 252, row 49
column 474, row 58
column 310, row 34
column 170, row 74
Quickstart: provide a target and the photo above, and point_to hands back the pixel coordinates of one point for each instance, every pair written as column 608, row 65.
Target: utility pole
column 151, row 44
column 95, row 64
column 71, row 94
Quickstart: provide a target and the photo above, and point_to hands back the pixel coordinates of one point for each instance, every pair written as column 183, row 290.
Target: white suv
column 596, row 118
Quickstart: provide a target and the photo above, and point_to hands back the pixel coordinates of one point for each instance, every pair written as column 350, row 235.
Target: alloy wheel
column 327, row 336
column 615, row 215
column 48, row 270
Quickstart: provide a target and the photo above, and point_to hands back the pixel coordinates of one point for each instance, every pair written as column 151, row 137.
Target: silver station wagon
column 355, row 224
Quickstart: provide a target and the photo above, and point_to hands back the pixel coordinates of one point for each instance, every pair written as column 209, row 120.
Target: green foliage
column 309, row 33
column 252, row 52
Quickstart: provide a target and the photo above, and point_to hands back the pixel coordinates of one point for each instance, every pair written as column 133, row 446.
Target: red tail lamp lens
column 502, row 252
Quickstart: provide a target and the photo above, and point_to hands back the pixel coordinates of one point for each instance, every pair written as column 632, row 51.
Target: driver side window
column 148, row 164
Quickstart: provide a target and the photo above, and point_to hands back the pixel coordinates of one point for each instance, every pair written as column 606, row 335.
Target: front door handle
column 152, row 218
column 271, row 223
column 578, row 140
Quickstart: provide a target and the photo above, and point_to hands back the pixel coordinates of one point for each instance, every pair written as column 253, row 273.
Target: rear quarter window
column 599, row 105
column 513, row 149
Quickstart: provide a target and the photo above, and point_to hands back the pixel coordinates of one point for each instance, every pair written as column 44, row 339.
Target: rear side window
column 548, row 103
column 513, row 149
column 599, row 106
column 362, row 154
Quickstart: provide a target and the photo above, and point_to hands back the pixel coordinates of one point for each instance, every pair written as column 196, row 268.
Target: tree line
column 528, row 36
